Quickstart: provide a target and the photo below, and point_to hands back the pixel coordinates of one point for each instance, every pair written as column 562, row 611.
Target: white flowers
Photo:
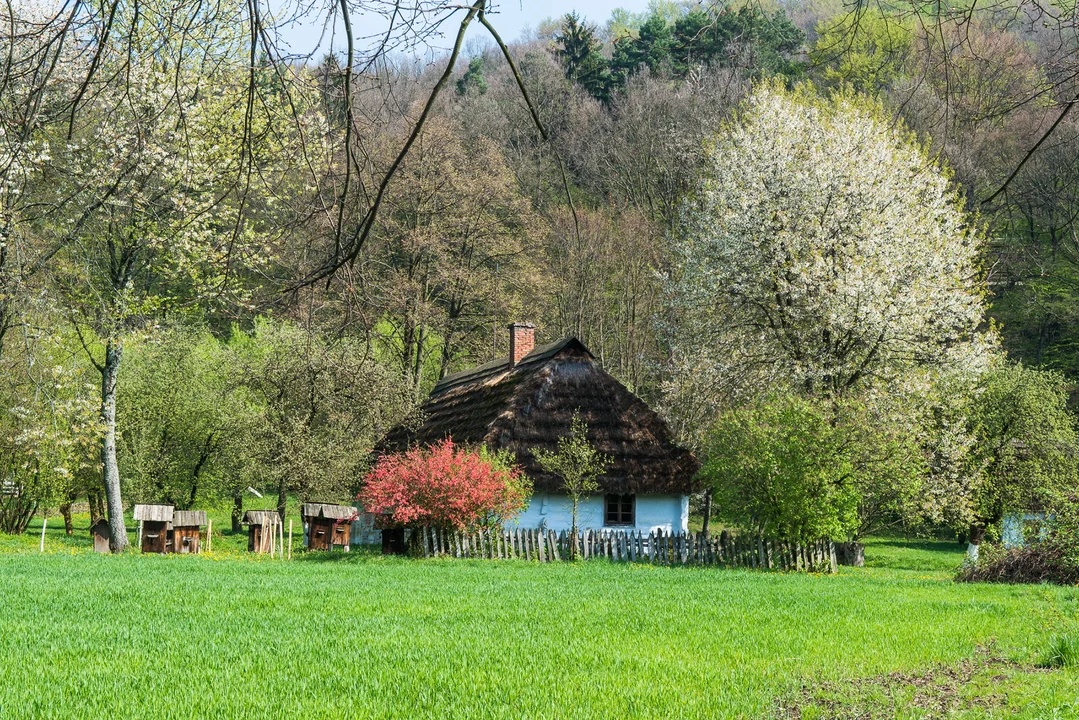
column 823, row 250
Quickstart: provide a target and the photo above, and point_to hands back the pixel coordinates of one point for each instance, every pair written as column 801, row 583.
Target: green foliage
column 651, row 48
column 781, row 469
column 49, row 429
column 201, row 419
column 1025, row 451
column 1064, row 526
column 323, row 404
column 866, row 50
column 578, row 50
column 473, row 78
column 672, row 41
column 185, row 420
column 748, row 39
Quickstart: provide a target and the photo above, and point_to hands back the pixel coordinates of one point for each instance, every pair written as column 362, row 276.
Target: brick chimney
column 522, row 341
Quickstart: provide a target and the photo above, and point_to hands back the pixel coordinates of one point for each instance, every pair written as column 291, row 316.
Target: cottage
column 327, row 525
column 262, row 528
column 155, row 522
column 527, row 401
column 186, row 530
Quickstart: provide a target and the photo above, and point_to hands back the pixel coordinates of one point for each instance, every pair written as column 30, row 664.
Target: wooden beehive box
column 186, row 526
column 156, row 523
column 101, row 534
column 261, row 526
column 328, row 525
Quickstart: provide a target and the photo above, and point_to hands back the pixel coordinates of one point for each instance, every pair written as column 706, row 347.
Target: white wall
column 669, row 513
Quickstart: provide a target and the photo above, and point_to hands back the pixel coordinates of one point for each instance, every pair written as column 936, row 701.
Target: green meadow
column 229, row 635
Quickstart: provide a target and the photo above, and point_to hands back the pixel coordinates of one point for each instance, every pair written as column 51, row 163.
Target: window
column 619, row 510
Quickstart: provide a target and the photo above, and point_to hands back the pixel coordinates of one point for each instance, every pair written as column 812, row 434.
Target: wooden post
column 140, row 535
column 281, row 535
column 44, row 524
column 707, row 511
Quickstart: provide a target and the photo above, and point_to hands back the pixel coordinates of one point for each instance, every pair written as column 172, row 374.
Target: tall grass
column 1062, row 652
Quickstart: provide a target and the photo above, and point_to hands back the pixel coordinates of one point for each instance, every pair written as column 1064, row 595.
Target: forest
column 841, row 234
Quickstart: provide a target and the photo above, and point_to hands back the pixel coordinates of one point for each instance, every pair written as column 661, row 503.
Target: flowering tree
column 826, row 255
column 445, row 486
column 154, row 196
column 823, row 251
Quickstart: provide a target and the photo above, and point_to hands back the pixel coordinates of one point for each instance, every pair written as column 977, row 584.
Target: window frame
column 619, row 513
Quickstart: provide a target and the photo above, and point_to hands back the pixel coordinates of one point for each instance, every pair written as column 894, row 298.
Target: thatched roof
column 188, row 518
column 531, row 405
column 327, row 510
column 261, row 517
column 153, row 513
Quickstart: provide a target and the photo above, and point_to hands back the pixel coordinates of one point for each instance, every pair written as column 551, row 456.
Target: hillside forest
column 836, row 236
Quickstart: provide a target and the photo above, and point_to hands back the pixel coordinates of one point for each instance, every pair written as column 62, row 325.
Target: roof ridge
column 542, row 353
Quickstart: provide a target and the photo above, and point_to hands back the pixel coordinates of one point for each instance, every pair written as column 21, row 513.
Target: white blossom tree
column 825, row 254
column 825, row 251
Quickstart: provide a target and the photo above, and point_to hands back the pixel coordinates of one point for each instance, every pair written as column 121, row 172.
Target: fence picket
column 657, row 548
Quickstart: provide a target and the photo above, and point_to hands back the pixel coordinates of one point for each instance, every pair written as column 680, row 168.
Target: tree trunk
column 977, row 534
column 707, row 511
column 91, row 500
column 65, row 510
column 109, row 470
column 573, row 530
column 97, row 507
column 237, row 512
column 282, row 498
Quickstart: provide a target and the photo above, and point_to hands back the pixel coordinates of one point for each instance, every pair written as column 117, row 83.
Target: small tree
column 445, row 486
column 578, row 463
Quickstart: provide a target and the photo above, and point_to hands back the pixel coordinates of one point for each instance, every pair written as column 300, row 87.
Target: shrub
column 780, row 468
column 1045, row 562
column 445, row 486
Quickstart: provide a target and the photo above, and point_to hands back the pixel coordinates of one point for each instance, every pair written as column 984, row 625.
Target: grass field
column 227, row 635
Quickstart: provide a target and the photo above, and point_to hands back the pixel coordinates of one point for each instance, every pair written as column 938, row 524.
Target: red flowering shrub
column 445, row 486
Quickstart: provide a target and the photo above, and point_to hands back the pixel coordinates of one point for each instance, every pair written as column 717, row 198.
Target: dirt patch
column 941, row 691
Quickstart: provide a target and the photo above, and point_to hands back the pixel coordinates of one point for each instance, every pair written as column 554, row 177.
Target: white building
column 527, row 400
column 554, row 511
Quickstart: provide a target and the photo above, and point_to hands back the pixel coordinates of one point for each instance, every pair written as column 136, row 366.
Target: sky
column 511, row 18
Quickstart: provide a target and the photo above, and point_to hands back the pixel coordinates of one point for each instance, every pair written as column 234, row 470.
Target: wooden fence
column 724, row 550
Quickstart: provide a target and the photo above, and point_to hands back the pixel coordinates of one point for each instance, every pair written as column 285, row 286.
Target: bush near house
column 445, row 486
